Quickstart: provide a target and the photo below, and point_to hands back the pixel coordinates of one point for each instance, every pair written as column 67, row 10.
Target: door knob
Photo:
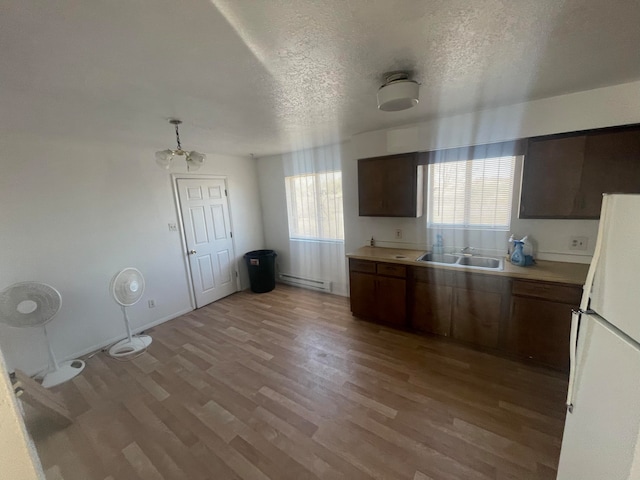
column 191, row 252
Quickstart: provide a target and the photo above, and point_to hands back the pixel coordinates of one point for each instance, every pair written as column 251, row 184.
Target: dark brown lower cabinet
column 477, row 317
column 378, row 291
column 431, row 300
column 391, row 300
column 468, row 307
column 363, row 294
column 479, row 308
column 431, row 310
column 540, row 322
column 523, row 318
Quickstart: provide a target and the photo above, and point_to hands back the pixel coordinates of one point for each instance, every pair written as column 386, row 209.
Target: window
column 471, row 193
column 314, row 206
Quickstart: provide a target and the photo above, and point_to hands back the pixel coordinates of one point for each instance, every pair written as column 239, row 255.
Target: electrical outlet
column 152, row 303
column 578, row 243
column 398, row 233
column 173, row 227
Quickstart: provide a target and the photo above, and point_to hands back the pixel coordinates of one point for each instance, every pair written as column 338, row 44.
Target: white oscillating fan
column 34, row 304
column 127, row 288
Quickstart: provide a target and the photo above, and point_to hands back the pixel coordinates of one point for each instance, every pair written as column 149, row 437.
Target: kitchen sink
column 466, row 261
column 439, row 258
column 483, row 262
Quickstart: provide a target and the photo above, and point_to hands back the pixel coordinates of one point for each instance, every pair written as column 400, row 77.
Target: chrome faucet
column 466, row 251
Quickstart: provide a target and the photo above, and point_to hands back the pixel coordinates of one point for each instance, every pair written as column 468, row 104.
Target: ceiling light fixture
column 398, row 93
column 165, row 157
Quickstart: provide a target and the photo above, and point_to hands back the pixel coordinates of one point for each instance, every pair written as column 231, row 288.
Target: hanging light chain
column 194, row 159
column 178, row 136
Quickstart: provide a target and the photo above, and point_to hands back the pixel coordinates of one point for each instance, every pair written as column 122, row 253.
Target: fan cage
column 122, row 286
column 46, row 298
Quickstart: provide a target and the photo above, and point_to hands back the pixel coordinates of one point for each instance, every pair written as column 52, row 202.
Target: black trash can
column 262, row 270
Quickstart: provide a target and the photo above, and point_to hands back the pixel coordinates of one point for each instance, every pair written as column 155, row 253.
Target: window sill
column 316, row 240
column 440, row 226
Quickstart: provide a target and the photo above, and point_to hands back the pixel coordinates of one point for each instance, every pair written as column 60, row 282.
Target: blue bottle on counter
column 517, row 257
column 438, row 247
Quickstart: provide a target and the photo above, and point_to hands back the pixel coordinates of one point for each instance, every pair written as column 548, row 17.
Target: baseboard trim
column 101, row 345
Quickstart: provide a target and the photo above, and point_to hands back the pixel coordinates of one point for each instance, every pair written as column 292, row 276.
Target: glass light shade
column 398, row 95
column 164, row 157
column 194, row 160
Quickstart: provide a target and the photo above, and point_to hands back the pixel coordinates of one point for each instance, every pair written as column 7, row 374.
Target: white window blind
column 471, row 193
column 314, row 206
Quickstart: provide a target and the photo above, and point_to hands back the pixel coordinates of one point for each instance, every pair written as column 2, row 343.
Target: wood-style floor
column 288, row 385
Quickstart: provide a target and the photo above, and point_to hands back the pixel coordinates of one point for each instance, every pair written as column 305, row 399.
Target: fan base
column 66, row 371
column 128, row 347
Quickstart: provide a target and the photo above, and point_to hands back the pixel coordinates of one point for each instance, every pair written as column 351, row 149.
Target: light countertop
column 561, row 272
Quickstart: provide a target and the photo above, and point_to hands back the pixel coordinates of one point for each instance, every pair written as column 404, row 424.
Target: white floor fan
column 34, row 304
column 127, row 288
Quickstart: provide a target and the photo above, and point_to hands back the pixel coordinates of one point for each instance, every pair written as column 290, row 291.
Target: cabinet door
column 363, row 294
column 431, row 308
column 371, row 186
column 391, row 300
column 611, row 165
column 476, row 317
column 390, row 186
column 539, row 330
column 551, row 177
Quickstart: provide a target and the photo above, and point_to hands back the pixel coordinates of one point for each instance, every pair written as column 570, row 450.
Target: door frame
column 183, row 239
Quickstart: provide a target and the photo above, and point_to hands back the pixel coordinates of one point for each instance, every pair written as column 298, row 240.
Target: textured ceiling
column 267, row 76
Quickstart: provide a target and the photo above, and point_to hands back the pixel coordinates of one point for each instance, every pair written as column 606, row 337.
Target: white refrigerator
column 602, row 429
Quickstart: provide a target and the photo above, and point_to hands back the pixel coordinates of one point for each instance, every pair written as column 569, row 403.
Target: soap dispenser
column 517, row 257
column 438, row 247
column 510, row 247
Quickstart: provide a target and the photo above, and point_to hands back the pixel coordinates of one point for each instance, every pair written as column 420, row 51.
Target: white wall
column 309, row 259
column 617, row 105
column 74, row 213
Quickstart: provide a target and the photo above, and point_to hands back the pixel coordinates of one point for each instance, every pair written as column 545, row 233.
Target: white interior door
column 207, row 231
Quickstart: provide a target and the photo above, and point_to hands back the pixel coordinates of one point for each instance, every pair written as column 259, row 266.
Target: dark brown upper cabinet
column 551, row 177
column 611, row 165
column 565, row 175
column 391, row 186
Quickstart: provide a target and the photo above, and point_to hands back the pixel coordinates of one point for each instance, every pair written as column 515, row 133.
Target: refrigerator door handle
column 573, row 346
column 576, row 317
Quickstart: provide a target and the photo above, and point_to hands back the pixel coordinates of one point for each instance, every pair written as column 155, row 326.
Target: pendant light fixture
column 165, row 157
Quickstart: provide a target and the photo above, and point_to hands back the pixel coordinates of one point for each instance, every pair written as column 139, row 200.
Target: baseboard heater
column 310, row 283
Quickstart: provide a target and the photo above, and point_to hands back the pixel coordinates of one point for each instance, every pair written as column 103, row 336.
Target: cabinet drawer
column 391, row 270
column 548, row 291
column 364, row 266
